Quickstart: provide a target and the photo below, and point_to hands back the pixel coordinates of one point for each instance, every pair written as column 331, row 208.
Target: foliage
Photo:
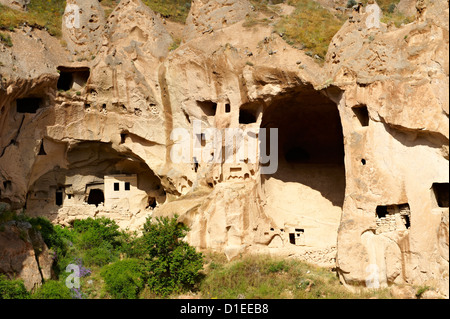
column 310, row 26
column 6, row 39
column 173, row 264
column 265, row 277
column 52, row 289
column 93, row 232
column 176, row 10
column 41, row 13
column 12, row 289
column 351, row 3
column 124, row 279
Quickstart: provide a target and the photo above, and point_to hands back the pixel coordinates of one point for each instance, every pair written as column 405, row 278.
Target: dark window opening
column 246, row 117
column 41, row 149
column 381, row 211
column 297, row 155
column 151, row 202
column 59, row 198
column 406, row 221
column 104, row 106
column 72, row 78
column 65, row 81
column 96, row 197
column 363, row 161
column 123, row 137
column 441, row 193
column 195, row 164
column 202, row 139
column 28, row 105
column 127, row 186
column 292, row 238
column 116, row 187
column 7, row 185
column 208, row 107
column 362, row 114
column 227, row 108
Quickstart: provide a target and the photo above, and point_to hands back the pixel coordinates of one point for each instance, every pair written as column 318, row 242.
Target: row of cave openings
column 398, row 217
column 69, row 79
column 248, row 114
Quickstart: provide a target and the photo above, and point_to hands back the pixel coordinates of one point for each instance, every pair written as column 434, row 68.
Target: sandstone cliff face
column 362, row 143
column 399, row 157
column 23, row 254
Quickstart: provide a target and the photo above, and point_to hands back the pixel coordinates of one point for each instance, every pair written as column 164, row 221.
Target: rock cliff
column 361, row 146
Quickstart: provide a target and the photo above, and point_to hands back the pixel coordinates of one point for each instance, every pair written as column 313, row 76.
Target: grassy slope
column 48, row 13
column 255, row 277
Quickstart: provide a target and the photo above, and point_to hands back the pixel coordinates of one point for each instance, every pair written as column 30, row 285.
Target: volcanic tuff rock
column 16, row 4
column 24, row 254
column 362, row 140
column 83, row 27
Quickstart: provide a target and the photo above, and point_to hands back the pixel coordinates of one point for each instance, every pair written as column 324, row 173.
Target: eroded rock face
column 209, row 16
column 82, row 28
column 362, row 144
column 16, row 4
column 396, row 108
column 24, row 254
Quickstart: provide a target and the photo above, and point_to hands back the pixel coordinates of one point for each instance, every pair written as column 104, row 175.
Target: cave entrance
column 28, row 105
column 309, row 184
column 96, row 197
column 72, row 78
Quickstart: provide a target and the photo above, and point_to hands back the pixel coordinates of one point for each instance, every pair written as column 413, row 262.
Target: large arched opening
column 307, row 191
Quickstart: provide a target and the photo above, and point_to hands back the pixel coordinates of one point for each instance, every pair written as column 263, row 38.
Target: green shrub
column 173, row 265
column 310, row 27
column 124, row 279
column 101, row 255
column 351, row 3
column 93, row 232
column 52, row 289
column 12, row 289
column 6, row 39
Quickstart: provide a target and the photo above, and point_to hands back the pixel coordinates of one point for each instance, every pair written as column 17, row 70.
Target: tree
column 173, row 265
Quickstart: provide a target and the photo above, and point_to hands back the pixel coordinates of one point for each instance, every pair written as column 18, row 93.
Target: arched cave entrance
column 307, row 190
column 96, row 197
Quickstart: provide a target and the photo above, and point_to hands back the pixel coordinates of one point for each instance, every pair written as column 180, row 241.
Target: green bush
column 93, row 232
column 351, row 3
column 52, row 289
column 124, row 279
column 12, row 289
column 101, row 255
column 173, row 265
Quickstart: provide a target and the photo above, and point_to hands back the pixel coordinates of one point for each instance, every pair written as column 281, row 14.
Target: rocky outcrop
column 361, row 150
column 16, row 4
column 397, row 76
column 23, row 254
column 209, row 16
column 83, row 27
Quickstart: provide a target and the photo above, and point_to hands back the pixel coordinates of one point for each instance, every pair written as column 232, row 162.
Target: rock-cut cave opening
column 309, row 183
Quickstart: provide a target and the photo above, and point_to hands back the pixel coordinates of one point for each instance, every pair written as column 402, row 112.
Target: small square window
column 127, row 186
column 116, row 187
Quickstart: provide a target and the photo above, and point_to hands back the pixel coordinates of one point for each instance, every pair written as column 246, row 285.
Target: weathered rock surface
column 83, row 27
column 209, row 16
column 362, row 140
column 23, row 254
column 16, row 4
